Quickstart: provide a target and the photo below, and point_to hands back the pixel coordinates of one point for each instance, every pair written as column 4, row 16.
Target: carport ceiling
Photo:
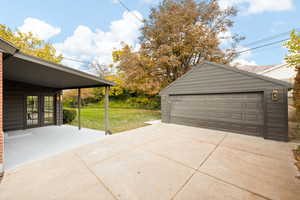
column 28, row 69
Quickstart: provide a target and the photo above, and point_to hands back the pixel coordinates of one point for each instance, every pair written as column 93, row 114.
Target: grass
column 121, row 118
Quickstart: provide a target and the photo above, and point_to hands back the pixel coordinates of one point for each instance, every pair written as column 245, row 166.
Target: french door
column 40, row 110
column 32, row 111
column 48, row 113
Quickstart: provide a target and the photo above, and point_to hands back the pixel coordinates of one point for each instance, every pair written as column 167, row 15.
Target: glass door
column 32, row 111
column 48, row 110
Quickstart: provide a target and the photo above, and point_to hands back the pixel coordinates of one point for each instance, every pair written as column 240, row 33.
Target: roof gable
column 209, row 76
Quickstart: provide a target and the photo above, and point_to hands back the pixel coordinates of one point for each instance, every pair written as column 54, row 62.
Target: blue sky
column 91, row 29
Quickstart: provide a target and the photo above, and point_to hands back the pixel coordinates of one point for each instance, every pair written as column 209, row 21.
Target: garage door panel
column 254, row 130
column 241, row 112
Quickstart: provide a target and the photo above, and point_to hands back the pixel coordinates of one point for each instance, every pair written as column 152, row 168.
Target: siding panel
column 14, row 102
column 212, row 79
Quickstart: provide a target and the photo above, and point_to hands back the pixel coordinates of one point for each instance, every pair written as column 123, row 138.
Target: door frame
column 43, row 112
column 264, row 93
column 41, row 104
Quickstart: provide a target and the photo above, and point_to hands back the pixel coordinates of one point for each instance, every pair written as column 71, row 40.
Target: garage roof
column 180, row 86
column 25, row 68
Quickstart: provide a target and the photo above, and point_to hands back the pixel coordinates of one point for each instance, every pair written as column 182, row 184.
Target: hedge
column 69, row 115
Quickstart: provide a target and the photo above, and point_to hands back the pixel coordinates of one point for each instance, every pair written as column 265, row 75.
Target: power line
column 132, row 13
column 269, row 38
column 79, row 61
column 264, row 45
column 240, row 52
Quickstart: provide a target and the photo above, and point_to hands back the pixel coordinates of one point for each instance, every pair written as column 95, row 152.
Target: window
column 48, row 109
column 32, row 110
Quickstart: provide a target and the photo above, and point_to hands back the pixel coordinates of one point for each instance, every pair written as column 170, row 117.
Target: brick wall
column 1, row 117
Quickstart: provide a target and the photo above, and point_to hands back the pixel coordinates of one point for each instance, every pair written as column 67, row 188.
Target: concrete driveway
column 162, row 161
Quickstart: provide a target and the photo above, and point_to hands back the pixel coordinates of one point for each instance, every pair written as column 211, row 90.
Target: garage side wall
column 165, row 108
column 276, row 115
column 212, row 79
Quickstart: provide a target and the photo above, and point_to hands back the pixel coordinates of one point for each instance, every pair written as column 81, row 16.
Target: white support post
column 106, row 111
column 79, row 106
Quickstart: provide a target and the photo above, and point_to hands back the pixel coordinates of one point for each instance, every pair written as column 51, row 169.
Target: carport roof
column 22, row 67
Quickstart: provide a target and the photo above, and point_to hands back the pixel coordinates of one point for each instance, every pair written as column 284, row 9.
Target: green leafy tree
column 178, row 35
column 293, row 59
column 30, row 45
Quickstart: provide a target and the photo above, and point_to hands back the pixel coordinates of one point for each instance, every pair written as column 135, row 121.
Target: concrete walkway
column 161, row 161
column 24, row 146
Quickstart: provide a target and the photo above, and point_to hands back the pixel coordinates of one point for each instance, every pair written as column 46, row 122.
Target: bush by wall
column 69, row 115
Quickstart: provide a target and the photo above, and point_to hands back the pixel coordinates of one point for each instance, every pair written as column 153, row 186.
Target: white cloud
column 225, row 38
column 243, row 62
column 244, row 58
column 258, row 6
column 97, row 45
column 150, row 1
column 39, row 28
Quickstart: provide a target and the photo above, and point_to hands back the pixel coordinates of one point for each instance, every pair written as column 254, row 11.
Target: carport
column 31, row 91
column 221, row 97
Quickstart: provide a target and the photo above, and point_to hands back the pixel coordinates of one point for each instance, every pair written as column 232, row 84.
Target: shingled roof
column 255, row 68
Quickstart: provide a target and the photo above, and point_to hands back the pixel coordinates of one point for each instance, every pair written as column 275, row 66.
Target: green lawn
column 121, row 119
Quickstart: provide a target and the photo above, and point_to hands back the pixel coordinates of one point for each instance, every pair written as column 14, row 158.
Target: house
column 221, row 97
column 281, row 72
column 31, row 91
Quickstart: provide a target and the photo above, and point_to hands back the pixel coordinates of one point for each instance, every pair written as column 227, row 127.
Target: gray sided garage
column 224, row 98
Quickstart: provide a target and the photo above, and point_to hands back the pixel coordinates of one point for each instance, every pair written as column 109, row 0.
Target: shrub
column 144, row 102
column 68, row 115
column 70, row 102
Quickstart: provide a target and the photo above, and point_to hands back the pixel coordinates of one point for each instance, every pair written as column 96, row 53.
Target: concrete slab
column 260, row 146
column 31, row 144
column 186, row 151
column 271, row 178
column 200, row 134
column 142, row 175
column 202, row 186
column 60, row 177
column 116, row 144
column 159, row 162
column 153, row 122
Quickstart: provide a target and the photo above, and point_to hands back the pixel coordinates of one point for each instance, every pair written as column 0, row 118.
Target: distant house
column 281, row 72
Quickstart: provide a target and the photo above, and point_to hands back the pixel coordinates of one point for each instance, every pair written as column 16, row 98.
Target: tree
column 293, row 59
column 30, row 45
column 101, row 70
column 70, row 96
column 178, row 35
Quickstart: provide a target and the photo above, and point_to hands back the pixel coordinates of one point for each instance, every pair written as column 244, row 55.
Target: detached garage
column 221, row 97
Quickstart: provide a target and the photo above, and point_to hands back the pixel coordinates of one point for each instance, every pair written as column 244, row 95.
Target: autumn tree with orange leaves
column 177, row 35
